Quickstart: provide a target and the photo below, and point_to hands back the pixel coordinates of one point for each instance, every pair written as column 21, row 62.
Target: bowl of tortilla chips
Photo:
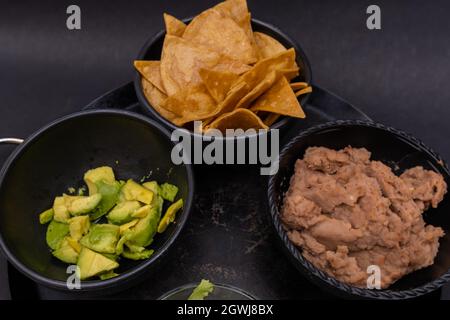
column 222, row 68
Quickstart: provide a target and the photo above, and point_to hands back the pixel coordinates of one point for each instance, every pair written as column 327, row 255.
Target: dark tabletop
column 397, row 75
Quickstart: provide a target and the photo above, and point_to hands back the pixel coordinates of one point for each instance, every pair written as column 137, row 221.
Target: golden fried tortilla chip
column 303, row 91
column 174, row 26
column 267, row 46
column 298, row 85
column 235, row 9
column 191, row 103
column 237, row 119
column 270, row 119
column 182, row 60
column 279, row 99
column 218, row 83
column 156, row 98
column 260, row 88
column 150, row 70
column 221, row 34
column 283, row 60
column 265, row 84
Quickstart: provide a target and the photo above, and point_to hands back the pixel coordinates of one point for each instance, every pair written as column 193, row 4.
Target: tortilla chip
column 150, row 70
column 279, row 99
column 221, row 34
column 174, row 26
column 192, row 103
column 298, row 85
column 270, row 119
column 290, row 73
column 303, row 91
column 267, row 46
column 260, row 88
column 235, row 9
column 156, row 98
column 182, row 60
column 237, row 119
column 265, row 84
column 218, row 83
column 283, row 60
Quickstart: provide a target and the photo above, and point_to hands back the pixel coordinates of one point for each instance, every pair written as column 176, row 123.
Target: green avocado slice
column 56, row 231
column 91, row 263
column 102, row 238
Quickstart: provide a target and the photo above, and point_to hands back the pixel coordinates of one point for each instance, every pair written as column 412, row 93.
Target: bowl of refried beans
column 362, row 209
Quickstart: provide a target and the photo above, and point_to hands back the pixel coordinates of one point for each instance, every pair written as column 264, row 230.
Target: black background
column 398, row 75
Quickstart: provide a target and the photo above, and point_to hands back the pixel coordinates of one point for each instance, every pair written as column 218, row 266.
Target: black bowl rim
column 138, row 270
column 148, row 108
column 307, row 268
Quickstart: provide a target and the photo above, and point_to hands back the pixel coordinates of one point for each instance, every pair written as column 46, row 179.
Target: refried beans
column 347, row 212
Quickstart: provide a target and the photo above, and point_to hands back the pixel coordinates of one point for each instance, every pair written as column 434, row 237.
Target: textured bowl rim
column 148, row 108
column 315, row 273
column 132, row 273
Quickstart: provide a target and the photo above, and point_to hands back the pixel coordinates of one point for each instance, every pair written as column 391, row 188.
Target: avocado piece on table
column 46, row 216
column 142, row 233
column 84, row 205
column 66, row 252
column 60, row 211
column 93, row 176
column 169, row 191
column 56, row 231
column 122, row 212
column 102, row 238
column 145, row 254
column 79, row 226
column 169, row 216
column 153, row 186
column 91, row 263
column 110, row 192
column 134, row 191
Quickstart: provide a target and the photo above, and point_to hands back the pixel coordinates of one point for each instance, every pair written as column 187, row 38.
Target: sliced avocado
column 84, row 205
column 93, row 176
column 122, row 212
column 111, row 256
column 108, row 275
column 91, row 263
column 138, row 255
column 169, row 216
column 121, row 242
column 66, row 252
column 140, row 213
column 46, row 216
column 134, row 191
column 102, row 238
column 127, row 226
column 56, row 231
column 142, row 233
column 169, row 191
column 74, row 244
column 110, row 192
column 79, row 226
column 60, row 211
column 152, row 186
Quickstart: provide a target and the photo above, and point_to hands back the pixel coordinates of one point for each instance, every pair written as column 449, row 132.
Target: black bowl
column 398, row 150
column 55, row 158
column 152, row 51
